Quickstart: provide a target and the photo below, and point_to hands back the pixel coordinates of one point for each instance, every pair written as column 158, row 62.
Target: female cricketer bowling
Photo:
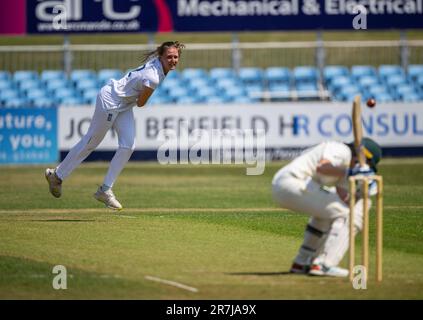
column 114, row 110
column 316, row 183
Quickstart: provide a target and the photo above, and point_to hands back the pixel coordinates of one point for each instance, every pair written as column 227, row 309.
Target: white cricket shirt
column 120, row 95
column 305, row 166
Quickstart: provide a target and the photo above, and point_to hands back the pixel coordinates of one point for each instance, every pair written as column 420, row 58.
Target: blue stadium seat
column 178, row 92
column 330, row 72
column 29, row 85
column 104, row 75
column 194, row 73
column 8, row 94
column 52, row 86
column 217, row 100
column 415, row 70
column 307, row 91
column 305, row 74
column 204, row 92
column 6, row 84
column 419, row 82
column 35, row 94
column 155, row 100
column 169, row 84
column 62, row 93
column 71, row 101
column 15, row 103
column 280, row 92
column 90, row 95
column 44, row 103
column 405, row 90
column 359, row 71
column 189, row 100
column 254, row 86
column 366, row 82
column 85, row 84
column 255, row 94
column 282, row 87
column 173, row 74
column 251, row 76
column 412, row 97
column 378, row 90
column 5, row 75
column 347, row 93
column 82, row 74
column 235, row 92
column 383, row 97
column 338, row 82
column 395, row 80
column 242, row 99
column 161, row 91
column 387, row 70
column 306, row 86
column 254, row 91
column 221, row 73
column 224, row 83
column 199, row 83
column 277, row 75
column 90, row 101
column 52, row 75
column 24, row 75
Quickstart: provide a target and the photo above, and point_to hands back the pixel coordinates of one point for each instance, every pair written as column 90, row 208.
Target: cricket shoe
column 322, row 270
column 54, row 182
column 108, row 198
column 299, row 268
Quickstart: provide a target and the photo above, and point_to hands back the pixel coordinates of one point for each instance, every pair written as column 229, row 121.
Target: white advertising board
column 285, row 124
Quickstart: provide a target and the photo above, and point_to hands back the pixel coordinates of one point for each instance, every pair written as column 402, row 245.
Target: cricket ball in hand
column 371, row 103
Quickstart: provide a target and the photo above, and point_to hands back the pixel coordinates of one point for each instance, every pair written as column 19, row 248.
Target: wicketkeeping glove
column 372, row 189
column 365, row 171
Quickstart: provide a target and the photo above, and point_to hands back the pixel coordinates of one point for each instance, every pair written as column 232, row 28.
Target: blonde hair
column 160, row 50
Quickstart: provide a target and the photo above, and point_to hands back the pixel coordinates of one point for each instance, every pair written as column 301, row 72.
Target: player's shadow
column 262, row 274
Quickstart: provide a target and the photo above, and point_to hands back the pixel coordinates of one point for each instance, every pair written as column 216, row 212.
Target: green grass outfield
column 211, row 228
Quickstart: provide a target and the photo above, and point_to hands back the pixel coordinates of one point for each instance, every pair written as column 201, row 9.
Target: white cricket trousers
column 326, row 237
column 102, row 121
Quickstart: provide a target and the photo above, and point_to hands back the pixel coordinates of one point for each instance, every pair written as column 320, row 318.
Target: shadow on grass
column 282, row 273
column 23, row 278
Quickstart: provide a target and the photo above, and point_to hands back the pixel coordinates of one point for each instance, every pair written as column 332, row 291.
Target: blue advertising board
column 85, row 16
column 225, row 15
column 88, row 16
column 28, row 136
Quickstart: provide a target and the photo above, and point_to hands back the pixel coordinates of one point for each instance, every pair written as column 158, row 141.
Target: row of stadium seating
column 389, row 83
column 221, row 85
column 52, row 87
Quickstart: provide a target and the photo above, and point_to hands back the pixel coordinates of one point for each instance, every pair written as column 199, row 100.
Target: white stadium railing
column 209, row 55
